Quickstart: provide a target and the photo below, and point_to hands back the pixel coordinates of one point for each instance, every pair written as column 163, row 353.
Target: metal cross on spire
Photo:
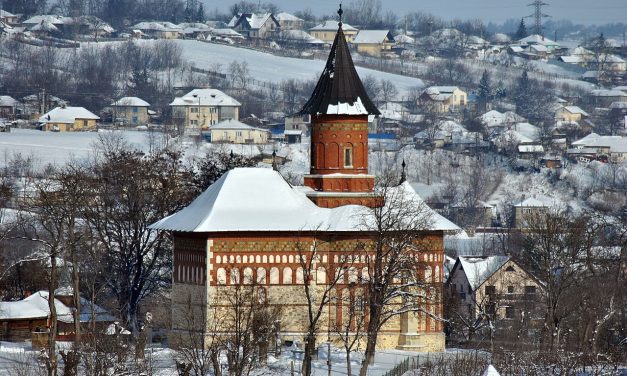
column 340, row 12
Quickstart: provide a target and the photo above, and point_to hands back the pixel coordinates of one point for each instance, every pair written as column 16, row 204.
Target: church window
column 428, row 274
column 321, row 275
column 235, row 276
column 274, row 276
column 287, row 276
column 261, row 276
column 248, row 276
column 218, row 260
column 245, row 259
column 300, row 276
column 257, row 259
column 348, row 157
column 291, row 259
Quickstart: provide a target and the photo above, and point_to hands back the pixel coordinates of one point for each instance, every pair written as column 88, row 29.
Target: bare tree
column 394, row 281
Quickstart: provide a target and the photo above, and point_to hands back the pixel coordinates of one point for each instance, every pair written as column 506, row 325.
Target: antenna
column 537, row 15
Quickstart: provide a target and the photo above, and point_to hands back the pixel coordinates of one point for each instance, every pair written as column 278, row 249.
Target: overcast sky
column 579, row 11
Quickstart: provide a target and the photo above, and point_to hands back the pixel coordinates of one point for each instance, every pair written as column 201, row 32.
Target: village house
column 527, row 210
column 8, row 18
column 326, row 31
column 248, row 228
column 570, row 113
column 289, row 21
column 234, row 132
column 131, row 111
column 495, row 291
column 159, row 30
column 605, row 97
column 8, row 107
column 604, row 148
column 443, row 98
column 201, row 108
column 376, row 43
column 29, row 318
column 68, row 119
column 253, row 25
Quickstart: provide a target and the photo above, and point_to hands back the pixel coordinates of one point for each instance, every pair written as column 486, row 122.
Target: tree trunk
column 310, row 347
column 371, row 346
column 51, row 360
column 215, row 360
column 349, row 370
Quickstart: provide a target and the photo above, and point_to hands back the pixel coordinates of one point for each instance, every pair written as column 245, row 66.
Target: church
column 251, row 225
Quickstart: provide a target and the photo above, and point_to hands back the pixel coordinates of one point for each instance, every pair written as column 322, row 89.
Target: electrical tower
column 538, row 15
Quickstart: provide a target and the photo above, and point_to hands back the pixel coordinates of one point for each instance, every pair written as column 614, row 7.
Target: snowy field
column 58, row 148
column 269, row 68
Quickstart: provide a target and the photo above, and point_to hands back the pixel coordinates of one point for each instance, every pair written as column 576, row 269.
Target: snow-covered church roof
column 259, row 199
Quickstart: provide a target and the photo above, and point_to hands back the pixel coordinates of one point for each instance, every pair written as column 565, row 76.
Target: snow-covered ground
column 16, row 357
column 58, row 148
column 266, row 67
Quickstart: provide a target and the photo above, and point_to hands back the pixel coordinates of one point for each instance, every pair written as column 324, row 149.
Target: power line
column 537, row 15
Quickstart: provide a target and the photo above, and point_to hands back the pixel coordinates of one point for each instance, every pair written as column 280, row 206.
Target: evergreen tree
column 522, row 95
column 200, row 13
column 485, row 90
column 189, row 11
column 522, row 30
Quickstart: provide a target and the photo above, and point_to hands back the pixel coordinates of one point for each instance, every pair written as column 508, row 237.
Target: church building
column 251, row 226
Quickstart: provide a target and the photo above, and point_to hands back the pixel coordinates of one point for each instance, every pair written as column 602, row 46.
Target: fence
column 466, row 363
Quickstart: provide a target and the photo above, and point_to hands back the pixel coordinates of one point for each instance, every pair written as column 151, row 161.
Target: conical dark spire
column 339, row 86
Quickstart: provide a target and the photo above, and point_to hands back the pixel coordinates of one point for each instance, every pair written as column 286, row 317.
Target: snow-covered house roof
column 618, row 105
column 130, row 102
column 205, row 97
column 332, row 25
column 373, row 37
column 440, row 93
column 7, row 101
column 231, row 124
column 538, row 39
column 254, row 21
column 575, row 110
column 531, row 202
column 44, row 25
column 259, row 199
column 4, row 13
column 530, row 148
column 608, row 93
column 495, row 118
column 616, row 144
column 300, row 36
column 157, row 26
column 284, row 16
column 36, row 307
column 479, row 268
column 67, row 115
column 620, row 88
column 229, row 33
column 48, row 18
column 527, row 130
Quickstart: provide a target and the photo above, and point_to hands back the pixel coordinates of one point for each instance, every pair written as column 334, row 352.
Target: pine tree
column 200, row 13
column 485, row 90
column 522, row 30
column 522, row 95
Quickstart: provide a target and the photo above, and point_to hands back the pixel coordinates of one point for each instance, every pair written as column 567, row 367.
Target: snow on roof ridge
column 479, row 268
column 232, row 203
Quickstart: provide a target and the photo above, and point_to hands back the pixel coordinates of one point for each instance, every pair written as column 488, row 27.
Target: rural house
column 443, row 98
column 326, row 31
column 201, row 108
column 68, row 119
column 234, row 132
column 253, row 25
column 374, row 42
column 131, row 111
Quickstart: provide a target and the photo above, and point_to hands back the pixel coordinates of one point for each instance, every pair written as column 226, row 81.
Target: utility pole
column 538, row 15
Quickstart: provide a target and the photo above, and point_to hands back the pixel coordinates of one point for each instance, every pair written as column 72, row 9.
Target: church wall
column 271, row 262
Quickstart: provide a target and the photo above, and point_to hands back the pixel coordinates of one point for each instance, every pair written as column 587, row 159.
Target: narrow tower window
column 348, row 157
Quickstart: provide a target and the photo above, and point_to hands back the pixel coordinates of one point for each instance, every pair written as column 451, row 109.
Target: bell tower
column 339, row 109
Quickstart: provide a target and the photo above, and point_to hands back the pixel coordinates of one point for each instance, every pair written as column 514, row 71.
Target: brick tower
column 339, row 109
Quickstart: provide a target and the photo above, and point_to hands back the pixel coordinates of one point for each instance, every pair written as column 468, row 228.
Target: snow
column 284, row 16
column 67, row 115
column 259, row 199
column 7, row 101
column 356, row 108
column 34, row 307
column 531, row 202
column 371, row 36
column 131, row 102
column 205, row 97
column 490, row 371
column 332, row 25
column 234, row 124
column 58, row 147
column 478, row 269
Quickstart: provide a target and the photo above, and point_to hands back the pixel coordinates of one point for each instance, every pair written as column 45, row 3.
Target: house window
column 348, row 157
column 238, row 133
column 509, row 312
column 490, row 290
column 193, row 122
column 509, row 269
column 193, row 110
column 510, row 289
column 462, row 295
column 135, row 109
column 530, row 289
column 225, row 134
column 469, row 290
column 85, row 123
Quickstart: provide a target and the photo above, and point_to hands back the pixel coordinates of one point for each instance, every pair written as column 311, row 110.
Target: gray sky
column 579, row 11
